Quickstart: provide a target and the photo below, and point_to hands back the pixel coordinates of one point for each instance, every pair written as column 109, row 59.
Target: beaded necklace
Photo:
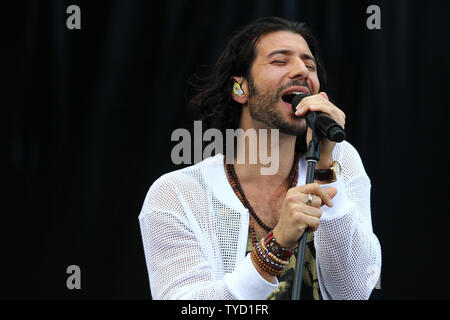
column 234, row 181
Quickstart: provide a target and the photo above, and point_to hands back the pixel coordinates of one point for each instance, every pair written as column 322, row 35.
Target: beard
column 263, row 106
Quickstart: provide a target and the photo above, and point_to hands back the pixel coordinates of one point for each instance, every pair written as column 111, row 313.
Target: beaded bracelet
column 268, row 255
column 271, row 256
column 263, row 254
column 261, row 262
column 275, row 248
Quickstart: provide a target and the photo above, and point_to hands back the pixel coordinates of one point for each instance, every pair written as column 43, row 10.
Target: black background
column 89, row 115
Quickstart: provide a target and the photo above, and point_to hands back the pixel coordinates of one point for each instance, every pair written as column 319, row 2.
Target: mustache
column 293, row 83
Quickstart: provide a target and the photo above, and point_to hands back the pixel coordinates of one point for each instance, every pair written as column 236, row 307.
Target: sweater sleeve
column 178, row 263
column 348, row 252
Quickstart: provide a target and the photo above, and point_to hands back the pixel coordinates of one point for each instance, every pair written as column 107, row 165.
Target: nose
column 299, row 70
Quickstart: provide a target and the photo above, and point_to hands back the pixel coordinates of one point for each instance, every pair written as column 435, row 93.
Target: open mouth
column 289, row 96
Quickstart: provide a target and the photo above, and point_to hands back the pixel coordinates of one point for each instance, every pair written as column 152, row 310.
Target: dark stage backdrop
column 90, row 112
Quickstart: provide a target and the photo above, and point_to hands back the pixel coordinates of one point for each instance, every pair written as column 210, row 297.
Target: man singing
column 221, row 229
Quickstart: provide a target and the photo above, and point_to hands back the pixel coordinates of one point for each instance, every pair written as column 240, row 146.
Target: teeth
column 296, row 92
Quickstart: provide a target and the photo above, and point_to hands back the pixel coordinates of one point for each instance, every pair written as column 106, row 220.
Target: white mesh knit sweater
column 195, row 229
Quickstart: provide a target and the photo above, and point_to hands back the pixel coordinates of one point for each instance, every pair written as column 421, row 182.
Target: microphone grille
column 297, row 98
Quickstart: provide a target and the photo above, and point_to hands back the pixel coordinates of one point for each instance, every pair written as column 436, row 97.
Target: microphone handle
column 329, row 128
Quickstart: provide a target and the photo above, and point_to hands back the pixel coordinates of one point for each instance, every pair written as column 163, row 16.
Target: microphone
column 321, row 124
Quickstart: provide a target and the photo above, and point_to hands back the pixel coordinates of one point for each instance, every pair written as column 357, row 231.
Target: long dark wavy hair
column 213, row 103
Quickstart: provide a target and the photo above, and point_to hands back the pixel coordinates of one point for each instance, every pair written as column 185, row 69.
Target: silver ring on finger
column 310, row 198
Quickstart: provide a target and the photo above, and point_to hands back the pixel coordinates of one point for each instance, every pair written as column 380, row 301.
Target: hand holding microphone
column 320, row 121
column 327, row 120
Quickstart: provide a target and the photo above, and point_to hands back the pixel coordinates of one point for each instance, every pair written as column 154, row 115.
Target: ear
column 241, row 99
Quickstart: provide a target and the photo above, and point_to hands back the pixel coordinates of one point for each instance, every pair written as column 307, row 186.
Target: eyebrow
column 304, row 56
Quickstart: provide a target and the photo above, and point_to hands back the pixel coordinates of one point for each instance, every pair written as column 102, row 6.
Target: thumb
column 331, row 192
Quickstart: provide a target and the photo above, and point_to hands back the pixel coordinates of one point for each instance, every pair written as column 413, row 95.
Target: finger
column 315, row 189
column 308, row 210
column 331, row 192
column 311, row 211
column 332, row 111
column 316, row 201
column 306, row 103
column 310, row 222
column 300, row 200
column 302, row 109
column 323, row 94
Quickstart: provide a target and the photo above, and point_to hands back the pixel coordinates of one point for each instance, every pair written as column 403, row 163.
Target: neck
column 256, row 169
